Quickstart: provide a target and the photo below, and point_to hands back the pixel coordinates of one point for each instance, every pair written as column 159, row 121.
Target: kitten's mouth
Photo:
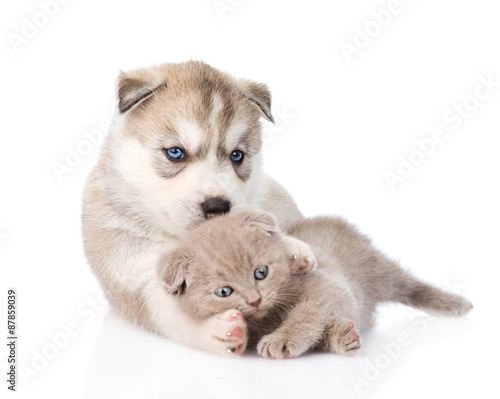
column 257, row 313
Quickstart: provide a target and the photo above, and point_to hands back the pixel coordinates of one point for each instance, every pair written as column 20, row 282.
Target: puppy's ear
column 259, row 94
column 257, row 219
column 135, row 87
column 173, row 268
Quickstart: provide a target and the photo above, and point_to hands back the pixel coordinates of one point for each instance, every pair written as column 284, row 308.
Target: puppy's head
column 189, row 141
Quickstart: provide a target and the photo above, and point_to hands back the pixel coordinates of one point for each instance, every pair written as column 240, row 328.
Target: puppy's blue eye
column 260, row 273
column 175, row 153
column 224, row 292
column 237, row 156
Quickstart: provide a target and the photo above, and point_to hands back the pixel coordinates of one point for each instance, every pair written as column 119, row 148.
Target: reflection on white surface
column 128, row 362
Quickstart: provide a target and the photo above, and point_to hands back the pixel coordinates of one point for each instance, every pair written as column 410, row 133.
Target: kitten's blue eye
column 260, row 273
column 237, row 156
column 175, row 153
column 224, row 292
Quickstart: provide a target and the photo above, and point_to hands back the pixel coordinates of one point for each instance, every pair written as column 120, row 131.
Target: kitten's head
column 236, row 261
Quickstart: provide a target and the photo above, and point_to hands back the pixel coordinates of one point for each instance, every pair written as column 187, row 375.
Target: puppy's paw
column 343, row 337
column 301, row 259
column 279, row 346
column 228, row 334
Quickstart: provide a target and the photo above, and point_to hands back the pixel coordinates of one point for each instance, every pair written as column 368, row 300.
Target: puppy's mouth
column 199, row 218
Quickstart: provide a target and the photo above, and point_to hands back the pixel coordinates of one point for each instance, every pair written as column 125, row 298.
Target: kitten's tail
column 413, row 292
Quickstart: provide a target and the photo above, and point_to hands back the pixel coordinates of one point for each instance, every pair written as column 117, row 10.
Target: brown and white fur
column 137, row 201
column 293, row 309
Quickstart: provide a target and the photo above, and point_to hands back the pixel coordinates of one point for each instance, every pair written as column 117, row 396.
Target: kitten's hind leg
column 342, row 337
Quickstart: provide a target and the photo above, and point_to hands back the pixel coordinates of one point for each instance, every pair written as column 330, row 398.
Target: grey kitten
column 242, row 267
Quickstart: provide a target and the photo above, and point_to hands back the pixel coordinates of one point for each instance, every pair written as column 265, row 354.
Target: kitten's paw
column 343, row 337
column 229, row 333
column 279, row 346
column 302, row 259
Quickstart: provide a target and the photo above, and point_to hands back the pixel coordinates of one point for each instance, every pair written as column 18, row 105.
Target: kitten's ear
column 172, row 269
column 257, row 219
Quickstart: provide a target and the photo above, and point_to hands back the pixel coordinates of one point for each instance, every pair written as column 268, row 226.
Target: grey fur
column 299, row 311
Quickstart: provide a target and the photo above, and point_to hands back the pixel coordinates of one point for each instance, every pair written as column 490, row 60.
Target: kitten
column 240, row 266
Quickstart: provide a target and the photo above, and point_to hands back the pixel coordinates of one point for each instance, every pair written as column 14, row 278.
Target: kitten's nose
column 214, row 206
column 256, row 303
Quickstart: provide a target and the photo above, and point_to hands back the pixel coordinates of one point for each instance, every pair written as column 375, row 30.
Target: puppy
column 184, row 146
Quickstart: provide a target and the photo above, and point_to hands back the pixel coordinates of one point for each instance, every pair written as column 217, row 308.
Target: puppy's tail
column 411, row 291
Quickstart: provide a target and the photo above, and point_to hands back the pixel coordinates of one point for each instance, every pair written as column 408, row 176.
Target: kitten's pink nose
column 256, row 303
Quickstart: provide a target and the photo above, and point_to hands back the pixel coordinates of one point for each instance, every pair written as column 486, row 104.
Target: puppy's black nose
column 214, row 206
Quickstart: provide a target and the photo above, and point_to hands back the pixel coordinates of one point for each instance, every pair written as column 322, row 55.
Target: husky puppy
column 241, row 264
column 184, row 146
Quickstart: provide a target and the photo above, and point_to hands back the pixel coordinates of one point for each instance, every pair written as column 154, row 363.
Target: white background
column 347, row 125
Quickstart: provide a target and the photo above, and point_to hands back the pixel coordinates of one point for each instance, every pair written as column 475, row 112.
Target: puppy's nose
column 214, row 206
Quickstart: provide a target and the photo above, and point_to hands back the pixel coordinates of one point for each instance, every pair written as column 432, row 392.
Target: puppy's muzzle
column 214, row 206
